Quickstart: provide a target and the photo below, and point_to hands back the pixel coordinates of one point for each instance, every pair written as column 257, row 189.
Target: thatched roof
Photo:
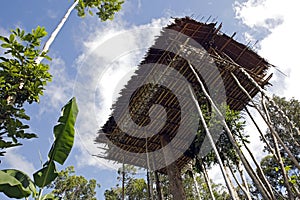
column 181, row 43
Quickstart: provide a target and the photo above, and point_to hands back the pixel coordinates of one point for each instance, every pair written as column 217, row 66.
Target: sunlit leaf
column 16, row 184
column 64, row 133
column 46, row 175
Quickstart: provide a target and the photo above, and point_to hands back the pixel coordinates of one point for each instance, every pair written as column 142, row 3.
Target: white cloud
column 59, row 90
column 109, row 58
column 14, row 160
column 280, row 46
column 52, row 14
column 260, row 13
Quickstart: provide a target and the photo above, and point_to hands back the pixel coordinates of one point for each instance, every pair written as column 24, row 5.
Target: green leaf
column 49, row 196
column 45, row 175
column 4, row 39
column 11, row 38
column 4, row 45
column 64, row 133
column 16, row 184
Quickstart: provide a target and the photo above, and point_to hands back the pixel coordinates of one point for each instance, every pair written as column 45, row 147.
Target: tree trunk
column 149, row 184
column 123, row 182
column 158, row 188
column 56, row 31
column 174, row 174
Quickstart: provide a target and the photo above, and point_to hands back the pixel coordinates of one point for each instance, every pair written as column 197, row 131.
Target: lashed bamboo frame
column 226, row 53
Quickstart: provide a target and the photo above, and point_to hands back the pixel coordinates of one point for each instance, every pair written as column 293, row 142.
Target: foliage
column 17, row 184
column 236, row 124
column 21, row 80
column 105, row 9
column 69, row 186
column 135, row 188
column 189, row 185
column 291, row 139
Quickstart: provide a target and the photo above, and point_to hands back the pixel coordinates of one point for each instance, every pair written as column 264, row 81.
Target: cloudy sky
column 92, row 60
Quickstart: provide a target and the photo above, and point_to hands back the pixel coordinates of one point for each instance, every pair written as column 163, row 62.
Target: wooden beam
column 227, row 42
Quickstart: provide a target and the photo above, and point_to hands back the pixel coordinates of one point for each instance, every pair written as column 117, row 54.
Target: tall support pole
column 174, row 174
column 260, row 186
column 281, row 164
column 241, row 172
column 212, row 143
column 149, row 178
column 269, row 125
column 241, row 186
column 284, row 117
column 195, row 183
column 123, row 181
column 261, row 133
column 149, row 184
column 158, row 188
column 56, row 31
column 207, row 180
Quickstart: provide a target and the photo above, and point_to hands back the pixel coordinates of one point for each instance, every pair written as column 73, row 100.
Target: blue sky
column 86, row 63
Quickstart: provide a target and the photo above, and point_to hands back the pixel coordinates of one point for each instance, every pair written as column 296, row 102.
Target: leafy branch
column 16, row 184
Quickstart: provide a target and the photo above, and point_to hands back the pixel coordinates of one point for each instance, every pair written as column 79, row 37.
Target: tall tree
column 134, row 188
column 67, row 185
column 23, row 76
column 291, row 139
column 105, row 10
column 22, row 81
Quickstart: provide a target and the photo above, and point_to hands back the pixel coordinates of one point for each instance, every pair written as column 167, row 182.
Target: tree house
column 184, row 42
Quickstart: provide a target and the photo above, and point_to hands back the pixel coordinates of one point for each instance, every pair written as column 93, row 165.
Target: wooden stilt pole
column 149, row 184
column 247, row 165
column 213, row 145
column 123, row 181
column 158, row 188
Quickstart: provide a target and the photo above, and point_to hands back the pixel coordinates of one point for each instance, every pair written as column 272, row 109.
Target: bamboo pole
column 280, row 161
column 261, row 134
column 158, row 188
column 251, row 173
column 284, row 117
column 207, row 180
column 268, row 124
column 195, row 183
column 212, row 143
